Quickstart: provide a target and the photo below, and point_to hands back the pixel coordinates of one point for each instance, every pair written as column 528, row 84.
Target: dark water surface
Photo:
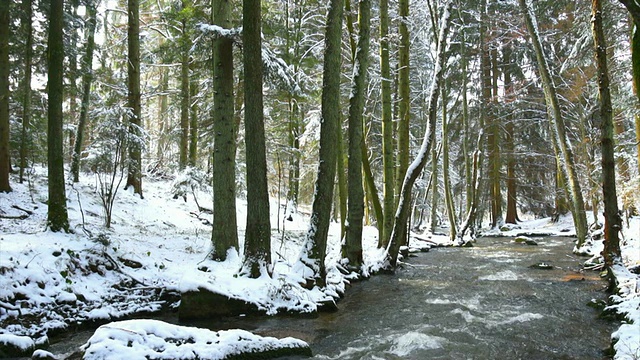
column 483, row 302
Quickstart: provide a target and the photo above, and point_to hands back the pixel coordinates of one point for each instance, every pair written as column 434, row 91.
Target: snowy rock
column 204, row 304
column 153, row 339
column 15, row 346
column 525, row 240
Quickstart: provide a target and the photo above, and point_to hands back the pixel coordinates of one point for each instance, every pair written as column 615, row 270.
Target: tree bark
column 87, row 78
column 555, row 115
column 134, row 177
column 224, row 235
column 398, row 235
column 353, row 243
column 404, row 93
column 193, row 121
column 315, row 249
column 185, row 94
column 5, row 159
column 448, row 197
column 25, row 144
column 612, row 219
column 512, row 204
column 257, row 244
column 388, row 160
column 57, row 217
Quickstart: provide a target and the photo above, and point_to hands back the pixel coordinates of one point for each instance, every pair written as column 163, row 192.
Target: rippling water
column 483, row 302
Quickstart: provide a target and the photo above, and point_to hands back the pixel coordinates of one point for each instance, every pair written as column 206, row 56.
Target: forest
column 386, row 121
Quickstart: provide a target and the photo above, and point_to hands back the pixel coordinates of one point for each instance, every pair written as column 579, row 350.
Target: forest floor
column 158, row 247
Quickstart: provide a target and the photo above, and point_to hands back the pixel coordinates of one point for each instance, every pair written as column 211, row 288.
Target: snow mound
column 153, row 339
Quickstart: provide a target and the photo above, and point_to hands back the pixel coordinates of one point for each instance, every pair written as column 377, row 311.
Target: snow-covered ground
column 158, row 246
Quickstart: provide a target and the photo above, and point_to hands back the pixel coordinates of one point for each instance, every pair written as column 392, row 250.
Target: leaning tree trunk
column 555, row 114
column 612, row 220
column 355, row 214
column 87, row 78
column 399, row 234
column 315, row 249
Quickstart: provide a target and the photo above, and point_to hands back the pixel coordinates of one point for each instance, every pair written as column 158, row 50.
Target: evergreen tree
column 57, row 217
column 5, row 160
column 225, row 229
column 257, row 244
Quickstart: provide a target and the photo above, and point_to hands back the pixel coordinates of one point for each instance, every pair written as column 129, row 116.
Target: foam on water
column 411, row 341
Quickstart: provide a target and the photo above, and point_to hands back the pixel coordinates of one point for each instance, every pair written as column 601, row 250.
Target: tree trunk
column 315, row 249
column 134, row 177
column 509, row 142
column 404, row 93
column 398, row 234
column 388, row 161
column 5, row 159
column 25, row 144
column 555, row 114
column 185, row 94
column 448, row 197
column 225, row 229
column 87, row 78
column 353, row 243
column 257, row 244
column 435, row 192
column 193, row 121
column 57, row 217
column 612, row 219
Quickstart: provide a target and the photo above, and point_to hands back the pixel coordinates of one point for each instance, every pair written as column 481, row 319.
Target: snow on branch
column 278, row 72
column 215, row 32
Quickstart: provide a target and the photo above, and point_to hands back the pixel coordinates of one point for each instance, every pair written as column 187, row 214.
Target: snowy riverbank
column 158, row 247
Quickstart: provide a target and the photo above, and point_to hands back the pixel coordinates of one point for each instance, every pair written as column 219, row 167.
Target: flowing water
column 484, row 302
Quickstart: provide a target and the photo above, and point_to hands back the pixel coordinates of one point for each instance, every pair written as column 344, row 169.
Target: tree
column 87, row 78
column 57, row 217
column 558, row 125
column 388, row 161
column 134, row 177
column 185, row 99
column 404, row 206
column 404, row 93
column 5, row 160
column 612, row 220
column 257, row 244
column 26, row 97
column 355, row 214
column 315, row 248
column 225, row 229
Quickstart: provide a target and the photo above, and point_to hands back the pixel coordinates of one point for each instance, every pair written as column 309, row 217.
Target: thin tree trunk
column 225, row 229
column 5, row 159
column 404, row 93
column 257, row 244
column 87, row 78
column 448, row 197
column 193, row 121
column 134, row 177
column 57, row 217
column 555, row 114
column 509, row 142
column 185, row 94
column 398, row 234
column 435, row 192
column 315, row 249
column 612, row 220
column 388, row 161
column 25, row 144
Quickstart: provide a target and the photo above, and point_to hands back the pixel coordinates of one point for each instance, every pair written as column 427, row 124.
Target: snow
column 153, row 339
column 60, row 279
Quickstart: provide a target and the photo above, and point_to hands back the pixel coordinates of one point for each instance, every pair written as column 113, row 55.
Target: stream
column 484, row 302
